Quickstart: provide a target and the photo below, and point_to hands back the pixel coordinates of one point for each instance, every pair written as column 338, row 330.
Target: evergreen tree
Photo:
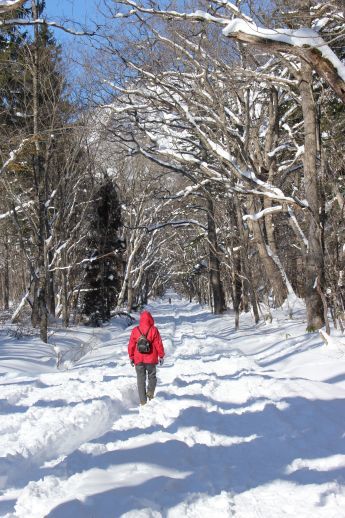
column 12, row 86
column 104, row 250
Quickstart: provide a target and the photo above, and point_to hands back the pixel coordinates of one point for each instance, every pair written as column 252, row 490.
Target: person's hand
column 161, row 361
column 132, row 363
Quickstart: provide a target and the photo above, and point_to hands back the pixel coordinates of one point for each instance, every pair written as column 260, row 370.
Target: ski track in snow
column 246, row 424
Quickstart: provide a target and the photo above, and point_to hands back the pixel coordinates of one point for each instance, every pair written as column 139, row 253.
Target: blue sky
column 79, row 10
column 83, row 12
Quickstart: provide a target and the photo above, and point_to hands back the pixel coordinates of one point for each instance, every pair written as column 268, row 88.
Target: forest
column 196, row 146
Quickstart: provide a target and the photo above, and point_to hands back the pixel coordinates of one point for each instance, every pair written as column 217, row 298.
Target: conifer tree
column 104, row 251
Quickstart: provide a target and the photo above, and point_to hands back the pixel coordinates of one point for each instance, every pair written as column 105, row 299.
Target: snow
column 262, row 213
column 282, row 147
column 243, row 424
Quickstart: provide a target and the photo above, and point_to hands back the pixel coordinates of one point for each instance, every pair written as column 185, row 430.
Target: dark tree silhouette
column 101, row 285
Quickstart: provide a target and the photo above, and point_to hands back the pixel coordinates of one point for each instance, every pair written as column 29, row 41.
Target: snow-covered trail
column 247, row 424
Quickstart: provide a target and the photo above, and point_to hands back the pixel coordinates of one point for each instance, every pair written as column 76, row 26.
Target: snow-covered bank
column 243, row 424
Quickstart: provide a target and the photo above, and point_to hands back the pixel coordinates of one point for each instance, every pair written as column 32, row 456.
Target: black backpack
column 143, row 344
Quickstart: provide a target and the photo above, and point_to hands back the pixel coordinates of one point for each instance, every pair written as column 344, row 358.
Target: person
column 145, row 363
column 169, row 300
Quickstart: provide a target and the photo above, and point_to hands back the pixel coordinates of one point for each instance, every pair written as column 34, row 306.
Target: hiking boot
column 142, row 403
column 150, row 396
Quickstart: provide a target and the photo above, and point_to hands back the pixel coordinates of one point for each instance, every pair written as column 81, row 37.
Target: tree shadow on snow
column 310, row 429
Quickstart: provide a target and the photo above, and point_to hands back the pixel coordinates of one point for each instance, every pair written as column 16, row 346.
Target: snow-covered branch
column 305, row 43
column 14, row 155
column 264, row 212
column 41, row 21
column 16, row 209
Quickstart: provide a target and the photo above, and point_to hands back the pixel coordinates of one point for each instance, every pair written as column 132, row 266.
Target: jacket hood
column 146, row 321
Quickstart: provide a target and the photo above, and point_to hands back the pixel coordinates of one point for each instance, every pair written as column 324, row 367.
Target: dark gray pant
column 142, row 369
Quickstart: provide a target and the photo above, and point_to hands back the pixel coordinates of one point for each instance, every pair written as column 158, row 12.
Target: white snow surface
column 244, row 424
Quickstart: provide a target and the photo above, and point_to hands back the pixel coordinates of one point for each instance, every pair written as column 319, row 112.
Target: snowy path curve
column 243, row 425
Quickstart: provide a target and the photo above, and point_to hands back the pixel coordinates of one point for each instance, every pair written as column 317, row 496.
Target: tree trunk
column 130, row 295
column 271, row 142
column 133, row 245
column 247, row 282
column 6, row 292
column 39, row 310
column 198, row 291
column 237, row 289
column 65, row 301
column 145, row 290
column 273, row 273
column 40, row 299
column 315, row 255
column 214, row 266
column 50, row 288
column 210, row 296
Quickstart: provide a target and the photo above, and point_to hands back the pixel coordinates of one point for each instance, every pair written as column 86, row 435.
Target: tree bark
column 6, row 292
column 65, row 301
column 237, row 289
column 315, row 254
column 130, row 295
column 214, row 265
column 39, row 317
column 273, row 273
column 271, row 164
column 247, row 281
column 39, row 310
column 50, row 288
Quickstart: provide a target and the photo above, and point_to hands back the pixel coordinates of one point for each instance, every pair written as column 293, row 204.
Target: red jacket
column 157, row 350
